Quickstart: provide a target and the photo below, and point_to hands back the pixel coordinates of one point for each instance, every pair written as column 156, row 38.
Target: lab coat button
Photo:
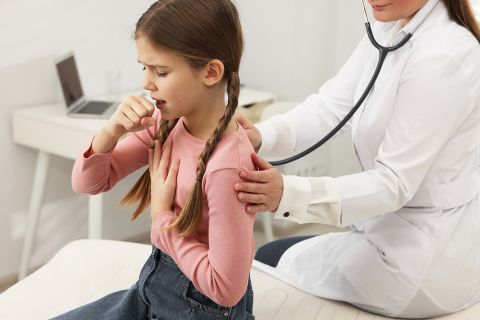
column 286, row 214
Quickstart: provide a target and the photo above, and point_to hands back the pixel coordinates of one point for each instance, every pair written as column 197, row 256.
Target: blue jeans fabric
column 161, row 292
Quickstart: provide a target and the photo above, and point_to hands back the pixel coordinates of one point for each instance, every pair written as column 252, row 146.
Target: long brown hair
column 461, row 12
column 199, row 31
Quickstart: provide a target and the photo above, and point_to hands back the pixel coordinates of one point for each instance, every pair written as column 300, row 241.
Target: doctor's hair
column 199, row 31
column 461, row 12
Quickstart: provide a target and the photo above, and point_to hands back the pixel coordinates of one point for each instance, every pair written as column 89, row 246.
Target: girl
column 202, row 239
column 414, row 247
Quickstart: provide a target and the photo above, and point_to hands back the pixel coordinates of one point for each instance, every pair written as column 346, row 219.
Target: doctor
column 414, row 211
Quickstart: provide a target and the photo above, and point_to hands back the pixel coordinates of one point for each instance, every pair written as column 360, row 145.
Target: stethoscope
column 383, row 52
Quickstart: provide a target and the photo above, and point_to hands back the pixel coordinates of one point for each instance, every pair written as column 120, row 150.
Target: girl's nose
column 147, row 84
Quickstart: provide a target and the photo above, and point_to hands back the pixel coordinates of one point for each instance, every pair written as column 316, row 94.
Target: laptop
column 77, row 104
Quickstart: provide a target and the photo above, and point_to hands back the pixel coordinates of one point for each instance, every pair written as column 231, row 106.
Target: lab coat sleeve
column 304, row 125
column 309, row 200
column 433, row 100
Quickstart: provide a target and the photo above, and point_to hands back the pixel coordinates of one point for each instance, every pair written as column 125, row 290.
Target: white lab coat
column 414, row 248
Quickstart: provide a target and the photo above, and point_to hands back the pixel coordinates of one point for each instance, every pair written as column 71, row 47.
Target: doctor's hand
column 163, row 178
column 263, row 189
column 252, row 132
column 132, row 115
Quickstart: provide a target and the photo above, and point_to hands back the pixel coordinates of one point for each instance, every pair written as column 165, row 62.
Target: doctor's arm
column 296, row 130
column 430, row 86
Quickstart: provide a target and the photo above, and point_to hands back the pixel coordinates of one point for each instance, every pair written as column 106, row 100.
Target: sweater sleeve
column 219, row 269
column 100, row 172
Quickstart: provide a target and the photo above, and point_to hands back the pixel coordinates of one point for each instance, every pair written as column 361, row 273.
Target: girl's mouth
column 160, row 104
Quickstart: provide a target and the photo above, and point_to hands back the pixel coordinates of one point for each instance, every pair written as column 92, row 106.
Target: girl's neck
column 203, row 123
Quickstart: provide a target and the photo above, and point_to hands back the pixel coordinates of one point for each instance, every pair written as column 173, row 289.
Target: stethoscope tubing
column 382, row 53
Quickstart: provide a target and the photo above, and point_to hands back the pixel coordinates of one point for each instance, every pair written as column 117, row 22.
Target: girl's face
column 172, row 82
column 393, row 10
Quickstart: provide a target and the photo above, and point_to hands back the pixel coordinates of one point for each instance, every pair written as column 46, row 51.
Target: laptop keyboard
column 95, row 107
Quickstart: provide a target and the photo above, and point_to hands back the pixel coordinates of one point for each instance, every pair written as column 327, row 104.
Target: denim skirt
column 162, row 292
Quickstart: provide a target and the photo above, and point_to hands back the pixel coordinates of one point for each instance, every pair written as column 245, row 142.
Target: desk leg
column 95, row 215
column 36, row 197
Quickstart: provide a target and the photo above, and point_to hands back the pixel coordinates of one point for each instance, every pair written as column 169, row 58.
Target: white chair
column 86, row 270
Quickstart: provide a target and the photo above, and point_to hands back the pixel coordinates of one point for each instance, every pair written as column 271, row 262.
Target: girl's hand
column 265, row 189
column 252, row 132
column 133, row 114
column 163, row 179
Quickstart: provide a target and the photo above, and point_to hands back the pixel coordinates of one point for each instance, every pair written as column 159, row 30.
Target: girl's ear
column 213, row 72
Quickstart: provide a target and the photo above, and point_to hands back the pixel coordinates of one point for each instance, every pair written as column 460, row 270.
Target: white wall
column 292, row 47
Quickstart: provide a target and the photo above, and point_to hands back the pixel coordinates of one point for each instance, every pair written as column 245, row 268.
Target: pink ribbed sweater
column 217, row 259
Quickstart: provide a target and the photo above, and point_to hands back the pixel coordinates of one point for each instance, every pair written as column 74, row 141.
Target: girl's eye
column 159, row 74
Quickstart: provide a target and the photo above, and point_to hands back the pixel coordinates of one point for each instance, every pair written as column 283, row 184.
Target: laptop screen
column 69, row 80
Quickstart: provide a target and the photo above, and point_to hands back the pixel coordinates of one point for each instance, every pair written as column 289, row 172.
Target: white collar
column 420, row 16
column 417, row 20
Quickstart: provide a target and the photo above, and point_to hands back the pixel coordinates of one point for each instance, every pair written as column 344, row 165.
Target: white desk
column 50, row 131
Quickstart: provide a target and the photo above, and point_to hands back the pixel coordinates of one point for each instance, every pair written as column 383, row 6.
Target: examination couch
column 85, row 270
